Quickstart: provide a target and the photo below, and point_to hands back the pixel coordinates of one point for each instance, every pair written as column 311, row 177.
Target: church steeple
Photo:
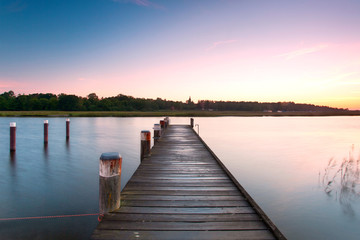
column 189, row 101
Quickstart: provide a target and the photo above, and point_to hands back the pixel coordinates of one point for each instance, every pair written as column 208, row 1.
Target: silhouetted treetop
column 68, row 102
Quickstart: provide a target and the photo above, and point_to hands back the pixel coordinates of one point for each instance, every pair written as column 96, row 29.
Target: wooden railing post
column 166, row 121
column 162, row 124
column 157, row 132
column 109, row 182
column 145, row 144
column 12, row 136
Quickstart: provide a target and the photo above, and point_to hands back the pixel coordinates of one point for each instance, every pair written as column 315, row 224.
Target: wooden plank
column 184, row 226
column 202, row 210
column 179, row 165
column 181, row 188
column 178, row 170
column 182, row 197
column 182, row 175
column 181, row 181
column 180, row 184
column 181, row 203
column 181, row 235
column 195, row 192
column 133, row 217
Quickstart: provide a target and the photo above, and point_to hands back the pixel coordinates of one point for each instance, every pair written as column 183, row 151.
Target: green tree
column 69, row 102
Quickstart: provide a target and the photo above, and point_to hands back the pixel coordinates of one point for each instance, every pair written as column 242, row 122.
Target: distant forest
column 64, row 102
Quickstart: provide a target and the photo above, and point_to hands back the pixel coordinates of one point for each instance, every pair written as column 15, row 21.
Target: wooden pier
column 182, row 192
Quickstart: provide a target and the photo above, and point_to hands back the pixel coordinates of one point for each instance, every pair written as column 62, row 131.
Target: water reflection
column 12, row 158
column 46, row 152
column 67, row 145
column 342, row 182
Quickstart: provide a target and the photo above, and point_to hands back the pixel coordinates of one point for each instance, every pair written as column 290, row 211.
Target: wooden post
column 109, row 182
column 165, row 122
column 162, row 124
column 12, row 136
column 157, row 132
column 46, row 131
column 67, row 129
column 145, row 144
column 191, row 122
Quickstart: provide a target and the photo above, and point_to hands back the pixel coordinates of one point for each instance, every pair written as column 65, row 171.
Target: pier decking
column 184, row 192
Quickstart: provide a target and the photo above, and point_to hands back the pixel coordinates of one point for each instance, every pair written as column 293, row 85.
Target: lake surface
column 281, row 161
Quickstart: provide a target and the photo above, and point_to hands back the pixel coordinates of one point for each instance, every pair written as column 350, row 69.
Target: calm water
column 280, row 161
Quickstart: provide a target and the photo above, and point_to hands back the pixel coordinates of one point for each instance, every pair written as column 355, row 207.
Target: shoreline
column 174, row 114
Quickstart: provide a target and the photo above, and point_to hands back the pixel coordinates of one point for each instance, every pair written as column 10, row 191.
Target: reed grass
column 343, row 180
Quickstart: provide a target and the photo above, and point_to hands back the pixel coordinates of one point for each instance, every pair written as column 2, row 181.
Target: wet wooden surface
column 181, row 192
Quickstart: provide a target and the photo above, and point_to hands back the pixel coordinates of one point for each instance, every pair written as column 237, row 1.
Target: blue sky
column 302, row 51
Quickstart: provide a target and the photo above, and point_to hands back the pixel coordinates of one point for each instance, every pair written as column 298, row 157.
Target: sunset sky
column 255, row 50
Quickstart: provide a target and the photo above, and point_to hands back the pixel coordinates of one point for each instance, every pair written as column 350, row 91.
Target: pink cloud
column 304, row 51
column 6, row 85
column 215, row 44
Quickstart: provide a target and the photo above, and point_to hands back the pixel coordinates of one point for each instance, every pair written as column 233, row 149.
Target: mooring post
column 67, row 129
column 109, row 182
column 192, row 122
column 157, row 132
column 145, row 144
column 166, row 120
column 162, row 124
column 46, row 131
column 12, row 136
column 165, row 123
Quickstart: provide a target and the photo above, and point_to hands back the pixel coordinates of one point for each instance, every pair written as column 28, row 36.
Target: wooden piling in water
column 46, row 131
column 145, row 144
column 67, row 129
column 12, row 136
column 109, row 182
column 192, row 122
column 157, row 132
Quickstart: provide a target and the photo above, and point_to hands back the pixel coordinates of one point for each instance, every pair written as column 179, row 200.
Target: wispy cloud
column 304, row 51
column 8, row 84
column 142, row 3
column 336, row 80
column 216, row 44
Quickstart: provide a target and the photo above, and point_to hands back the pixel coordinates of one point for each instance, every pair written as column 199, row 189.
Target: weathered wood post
column 166, row 120
column 191, row 122
column 46, row 131
column 67, row 129
column 145, row 144
column 109, row 182
column 162, row 124
column 12, row 136
column 157, row 132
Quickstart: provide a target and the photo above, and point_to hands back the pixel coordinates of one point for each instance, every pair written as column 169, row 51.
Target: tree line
column 68, row 102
